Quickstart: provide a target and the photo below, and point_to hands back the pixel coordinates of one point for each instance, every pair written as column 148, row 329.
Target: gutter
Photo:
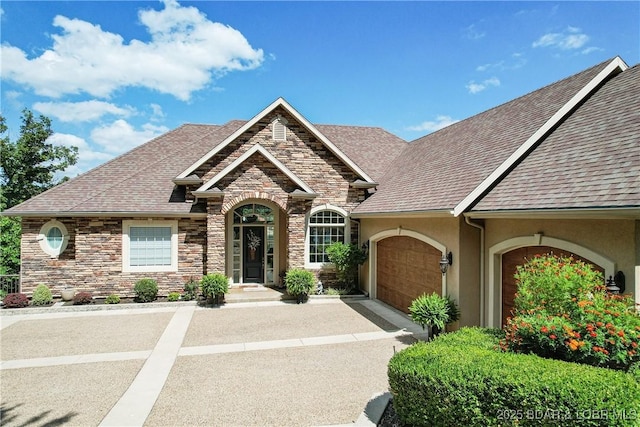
column 481, row 228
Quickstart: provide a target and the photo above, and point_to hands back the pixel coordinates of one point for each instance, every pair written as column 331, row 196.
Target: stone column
column 296, row 231
column 216, row 246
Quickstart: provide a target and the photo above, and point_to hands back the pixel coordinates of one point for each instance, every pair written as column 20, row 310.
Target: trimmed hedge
column 462, row 378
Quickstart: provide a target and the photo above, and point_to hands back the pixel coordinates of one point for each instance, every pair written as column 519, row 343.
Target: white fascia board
column 242, row 129
column 617, row 64
column 335, row 150
column 280, row 102
column 256, row 149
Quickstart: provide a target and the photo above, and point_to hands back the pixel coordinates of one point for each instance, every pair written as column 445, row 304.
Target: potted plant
column 67, row 293
column 434, row 312
column 214, row 285
column 299, row 283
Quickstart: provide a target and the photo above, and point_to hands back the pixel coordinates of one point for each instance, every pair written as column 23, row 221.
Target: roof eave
column 435, row 213
column 614, row 212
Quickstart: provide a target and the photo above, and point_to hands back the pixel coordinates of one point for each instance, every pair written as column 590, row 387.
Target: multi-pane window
column 325, row 228
column 149, row 246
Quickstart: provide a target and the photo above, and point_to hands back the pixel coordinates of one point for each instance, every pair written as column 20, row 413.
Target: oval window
column 53, row 238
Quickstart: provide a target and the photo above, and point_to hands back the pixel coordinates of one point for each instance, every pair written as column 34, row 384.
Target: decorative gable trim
column 189, row 180
column 615, row 66
column 256, row 149
column 280, row 102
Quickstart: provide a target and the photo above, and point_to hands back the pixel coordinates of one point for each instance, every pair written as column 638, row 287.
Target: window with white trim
column 325, row 227
column 53, row 238
column 149, row 246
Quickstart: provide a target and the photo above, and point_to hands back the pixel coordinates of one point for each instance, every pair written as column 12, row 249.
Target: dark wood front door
column 253, row 254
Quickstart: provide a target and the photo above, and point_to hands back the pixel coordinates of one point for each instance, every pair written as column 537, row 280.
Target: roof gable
column 257, row 148
column 437, row 172
column 280, row 102
column 591, row 161
column 615, row 66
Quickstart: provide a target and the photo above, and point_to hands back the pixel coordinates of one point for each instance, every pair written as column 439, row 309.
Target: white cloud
column 120, row 136
column 185, row 53
column 517, row 60
column 81, row 111
column 571, row 38
column 472, row 33
column 474, row 87
column 157, row 113
column 432, row 126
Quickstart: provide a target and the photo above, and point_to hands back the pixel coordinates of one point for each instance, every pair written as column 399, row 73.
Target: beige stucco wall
column 462, row 279
column 613, row 239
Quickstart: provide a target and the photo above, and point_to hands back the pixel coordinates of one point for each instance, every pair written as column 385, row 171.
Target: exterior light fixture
column 445, row 262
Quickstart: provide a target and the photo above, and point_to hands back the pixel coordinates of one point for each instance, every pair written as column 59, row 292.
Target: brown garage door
column 406, row 268
column 511, row 260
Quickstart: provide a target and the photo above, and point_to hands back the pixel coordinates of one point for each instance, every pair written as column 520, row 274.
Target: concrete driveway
column 264, row 363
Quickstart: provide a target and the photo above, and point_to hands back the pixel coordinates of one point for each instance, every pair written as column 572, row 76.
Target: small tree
column 346, row 259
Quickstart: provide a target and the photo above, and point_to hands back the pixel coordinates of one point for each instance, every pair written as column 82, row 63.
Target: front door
column 253, row 254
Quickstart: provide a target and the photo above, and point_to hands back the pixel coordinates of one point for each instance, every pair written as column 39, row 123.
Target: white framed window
column 149, row 246
column 279, row 129
column 326, row 225
column 53, row 238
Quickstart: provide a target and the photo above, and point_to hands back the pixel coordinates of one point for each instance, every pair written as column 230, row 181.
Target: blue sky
column 112, row 75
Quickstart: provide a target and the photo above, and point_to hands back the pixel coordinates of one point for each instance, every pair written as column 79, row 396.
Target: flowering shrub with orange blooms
column 563, row 311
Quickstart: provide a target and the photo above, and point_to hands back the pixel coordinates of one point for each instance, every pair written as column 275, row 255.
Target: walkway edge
column 136, row 403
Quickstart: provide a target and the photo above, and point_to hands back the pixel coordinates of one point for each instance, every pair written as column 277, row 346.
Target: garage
column 406, row 268
column 510, row 262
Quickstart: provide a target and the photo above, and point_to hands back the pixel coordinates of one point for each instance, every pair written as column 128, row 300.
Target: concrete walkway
column 151, row 394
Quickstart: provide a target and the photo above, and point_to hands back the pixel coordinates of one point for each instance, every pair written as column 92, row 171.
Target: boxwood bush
column 462, row 378
column 41, row 295
column 146, row 290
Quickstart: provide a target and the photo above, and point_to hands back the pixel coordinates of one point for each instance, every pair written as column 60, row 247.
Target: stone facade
column 92, row 260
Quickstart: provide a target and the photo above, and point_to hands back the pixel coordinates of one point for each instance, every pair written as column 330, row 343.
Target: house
column 555, row 170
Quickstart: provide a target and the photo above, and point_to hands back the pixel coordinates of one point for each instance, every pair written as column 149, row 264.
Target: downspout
column 481, row 228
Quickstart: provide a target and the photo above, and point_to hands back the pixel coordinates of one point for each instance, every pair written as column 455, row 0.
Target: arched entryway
column 253, row 242
column 505, row 256
column 404, row 265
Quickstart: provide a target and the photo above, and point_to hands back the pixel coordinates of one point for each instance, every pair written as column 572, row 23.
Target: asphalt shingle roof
column 592, row 160
column 437, row 171
column 141, row 180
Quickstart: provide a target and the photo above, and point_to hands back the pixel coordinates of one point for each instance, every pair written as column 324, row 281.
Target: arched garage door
column 510, row 262
column 406, row 268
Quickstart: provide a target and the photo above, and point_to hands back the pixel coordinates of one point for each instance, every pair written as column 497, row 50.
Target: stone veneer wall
column 257, row 178
column 92, row 260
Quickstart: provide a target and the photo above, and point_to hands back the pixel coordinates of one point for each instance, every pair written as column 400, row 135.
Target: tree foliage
column 28, row 166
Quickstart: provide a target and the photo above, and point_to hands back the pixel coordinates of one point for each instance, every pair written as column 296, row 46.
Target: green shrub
column 191, row 290
column 337, row 291
column 299, row 282
column 563, row 311
column 213, row 285
column 41, row 295
column 462, row 378
column 173, row 296
column 112, row 299
column 3, row 294
column 146, row 290
column 82, row 298
column 434, row 311
column 15, row 300
column 346, row 259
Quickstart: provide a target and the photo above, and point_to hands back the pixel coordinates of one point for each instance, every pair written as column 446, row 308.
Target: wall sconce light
column 445, row 262
column 616, row 284
column 365, row 247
